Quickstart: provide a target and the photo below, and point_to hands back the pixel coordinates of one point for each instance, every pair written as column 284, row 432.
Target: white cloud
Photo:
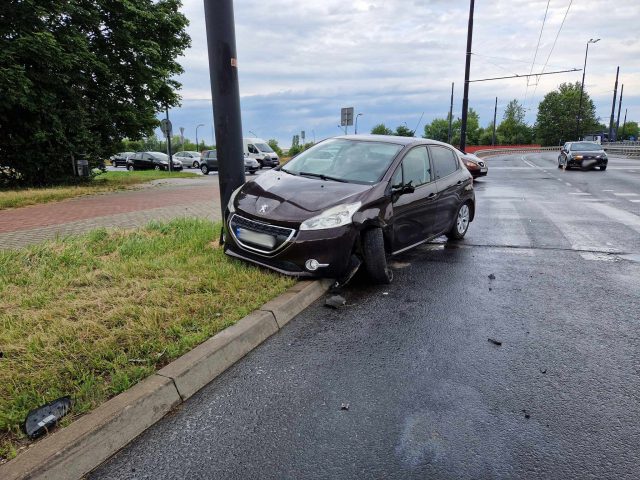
column 300, row 61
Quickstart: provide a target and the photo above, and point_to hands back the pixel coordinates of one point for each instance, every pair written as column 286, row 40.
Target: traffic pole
column 495, row 114
column 225, row 92
column 619, row 108
column 170, row 166
column 613, row 106
column 450, row 115
column 467, row 68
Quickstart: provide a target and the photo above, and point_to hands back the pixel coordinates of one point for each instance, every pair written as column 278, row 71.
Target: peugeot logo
column 263, row 208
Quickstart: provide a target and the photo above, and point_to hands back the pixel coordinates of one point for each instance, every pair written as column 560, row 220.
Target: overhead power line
column 523, row 76
column 554, row 45
column 535, row 55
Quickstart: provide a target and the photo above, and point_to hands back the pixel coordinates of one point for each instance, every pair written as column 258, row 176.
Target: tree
column 403, row 131
column 77, row 77
column 513, row 130
column 556, row 119
column 438, row 129
column 381, row 129
column 473, row 129
column 629, row 129
column 273, row 143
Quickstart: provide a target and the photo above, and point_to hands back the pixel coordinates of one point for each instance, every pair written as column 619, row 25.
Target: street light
column 200, row 125
column 357, row 122
column 584, row 69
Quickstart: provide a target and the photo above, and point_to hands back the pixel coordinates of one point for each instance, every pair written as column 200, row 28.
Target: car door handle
column 431, row 195
column 459, row 182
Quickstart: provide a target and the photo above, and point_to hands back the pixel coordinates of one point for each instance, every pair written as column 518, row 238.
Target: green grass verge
column 105, row 182
column 89, row 316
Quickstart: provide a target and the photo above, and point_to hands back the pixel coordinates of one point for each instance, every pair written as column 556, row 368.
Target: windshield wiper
column 323, row 177
column 282, row 169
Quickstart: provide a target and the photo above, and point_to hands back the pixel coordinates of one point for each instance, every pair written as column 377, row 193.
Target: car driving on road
column 151, row 161
column 585, row 155
column 350, row 200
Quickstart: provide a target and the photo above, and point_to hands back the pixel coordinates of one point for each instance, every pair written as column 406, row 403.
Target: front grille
column 281, row 235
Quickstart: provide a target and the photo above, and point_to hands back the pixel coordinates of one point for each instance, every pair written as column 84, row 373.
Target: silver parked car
column 189, row 159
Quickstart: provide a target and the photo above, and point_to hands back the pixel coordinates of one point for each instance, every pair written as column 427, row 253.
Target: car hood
column 280, row 196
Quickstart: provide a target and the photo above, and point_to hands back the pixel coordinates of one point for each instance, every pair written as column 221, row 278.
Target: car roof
column 393, row 139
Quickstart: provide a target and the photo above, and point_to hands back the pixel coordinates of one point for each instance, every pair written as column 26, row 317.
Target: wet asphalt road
column 429, row 396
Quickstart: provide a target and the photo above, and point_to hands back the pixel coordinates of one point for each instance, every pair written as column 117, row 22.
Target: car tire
column 375, row 257
column 157, row 167
column 204, row 169
column 460, row 223
column 195, row 165
column 603, row 168
column 130, row 168
column 252, row 172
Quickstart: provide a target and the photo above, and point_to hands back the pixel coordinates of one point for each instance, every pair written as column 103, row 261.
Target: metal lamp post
column 356, row 131
column 197, row 144
column 584, row 69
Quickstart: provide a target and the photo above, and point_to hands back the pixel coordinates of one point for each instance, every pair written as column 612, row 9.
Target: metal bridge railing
column 509, row 151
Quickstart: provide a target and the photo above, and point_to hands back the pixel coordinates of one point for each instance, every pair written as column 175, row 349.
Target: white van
column 260, row 150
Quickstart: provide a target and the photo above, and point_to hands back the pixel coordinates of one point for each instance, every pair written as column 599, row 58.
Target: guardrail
column 508, row 151
column 629, row 149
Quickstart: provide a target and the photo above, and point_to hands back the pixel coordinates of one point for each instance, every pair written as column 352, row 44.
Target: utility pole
column 467, row 68
column 625, row 122
column 584, row 70
column 225, row 92
column 170, row 166
column 619, row 108
column 613, row 106
column 495, row 114
column 450, row 114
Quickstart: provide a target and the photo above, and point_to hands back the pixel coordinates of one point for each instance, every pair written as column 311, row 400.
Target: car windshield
column 345, row 160
column 263, row 147
column 194, row 153
column 585, row 147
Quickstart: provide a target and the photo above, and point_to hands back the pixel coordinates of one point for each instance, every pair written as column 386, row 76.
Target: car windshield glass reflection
column 263, row 147
column 345, row 160
column 585, row 147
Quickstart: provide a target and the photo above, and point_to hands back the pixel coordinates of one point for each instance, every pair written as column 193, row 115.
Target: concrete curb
column 74, row 451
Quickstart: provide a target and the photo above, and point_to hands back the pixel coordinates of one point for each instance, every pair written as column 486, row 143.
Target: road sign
column 165, row 126
column 346, row 116
column 302, row 135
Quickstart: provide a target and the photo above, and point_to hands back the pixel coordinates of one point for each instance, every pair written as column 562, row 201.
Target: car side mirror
column 402, row 189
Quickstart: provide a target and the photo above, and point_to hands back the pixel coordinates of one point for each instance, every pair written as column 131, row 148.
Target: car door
column 414, row 214
column 138, row 161
column 449, row 183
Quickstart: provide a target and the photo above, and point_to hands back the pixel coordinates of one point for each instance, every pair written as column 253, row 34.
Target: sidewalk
column 162, row 200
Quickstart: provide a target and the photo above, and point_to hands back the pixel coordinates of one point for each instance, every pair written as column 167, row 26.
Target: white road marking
column 626, row 194
column 567, row 184
column 607, row 190
column 626, row 218
column 579, row 193
column 634, row 201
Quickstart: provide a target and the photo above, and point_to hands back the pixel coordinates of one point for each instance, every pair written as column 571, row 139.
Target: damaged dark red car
column 350, row 201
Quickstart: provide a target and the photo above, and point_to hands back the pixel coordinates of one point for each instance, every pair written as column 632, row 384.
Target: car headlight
column 578, row 157
column 331, row 218
column 230, row 206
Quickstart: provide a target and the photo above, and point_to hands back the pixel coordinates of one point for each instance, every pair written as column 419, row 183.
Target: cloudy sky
column 301, row 61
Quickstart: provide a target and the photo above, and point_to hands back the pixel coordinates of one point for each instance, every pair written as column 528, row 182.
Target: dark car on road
column 350, row 200
column 120, row 159
column 585, row 155
column 209, row 163
column 151, row 161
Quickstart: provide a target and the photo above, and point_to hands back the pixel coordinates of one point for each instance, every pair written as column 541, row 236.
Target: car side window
column 445, row 162
column 396, row 180
column 416, row 167
column 252, row 149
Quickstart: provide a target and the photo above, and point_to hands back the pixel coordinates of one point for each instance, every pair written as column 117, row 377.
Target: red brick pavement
column 82, row 208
